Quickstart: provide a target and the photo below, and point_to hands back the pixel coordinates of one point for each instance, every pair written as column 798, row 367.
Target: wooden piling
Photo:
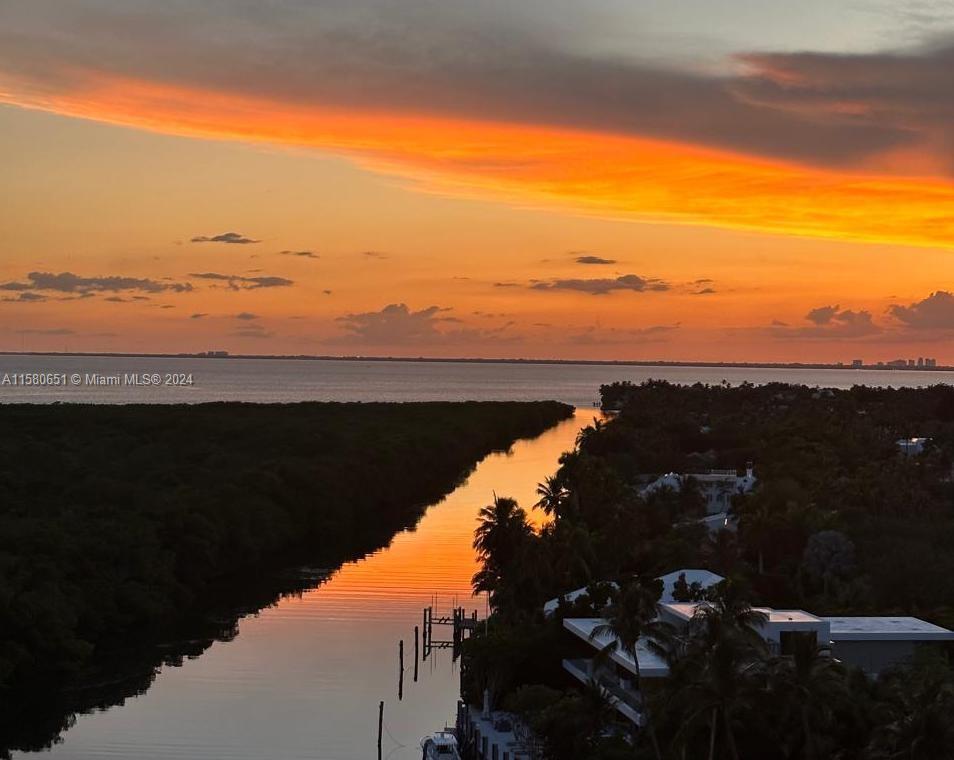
column 416, row 652
column 380, row 725
column 401, row 671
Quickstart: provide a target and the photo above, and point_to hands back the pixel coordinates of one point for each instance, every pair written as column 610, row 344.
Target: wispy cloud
column 603, row 285
column 253, row 330
column 46, row 331
column 614, row 336
column 68, row 282
column 300, row 254
column 240, row 282
column 398, row 325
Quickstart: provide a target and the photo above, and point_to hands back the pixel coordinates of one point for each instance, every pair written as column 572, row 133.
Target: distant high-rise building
column 857, row 363
column 920, row 361
column 930, row 362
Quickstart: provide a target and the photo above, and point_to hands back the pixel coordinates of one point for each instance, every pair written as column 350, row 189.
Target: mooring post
column 416, row 652
column 380, row 725
column 401, row 674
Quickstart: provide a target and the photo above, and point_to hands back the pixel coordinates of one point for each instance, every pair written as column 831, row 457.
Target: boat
column 440, row 746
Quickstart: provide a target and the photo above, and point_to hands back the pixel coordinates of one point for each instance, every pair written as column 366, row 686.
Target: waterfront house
column 876, row 643
column 716, row 486
column 870, row 643
column 911, row 447
column 696, row 580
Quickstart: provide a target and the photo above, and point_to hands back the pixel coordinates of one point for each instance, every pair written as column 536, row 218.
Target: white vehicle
column 440, row 746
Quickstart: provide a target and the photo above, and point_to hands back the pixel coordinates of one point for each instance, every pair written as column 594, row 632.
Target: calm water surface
column 266, row 380
column 303, row 678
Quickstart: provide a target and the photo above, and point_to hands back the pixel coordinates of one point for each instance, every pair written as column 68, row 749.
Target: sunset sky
column 702, row 180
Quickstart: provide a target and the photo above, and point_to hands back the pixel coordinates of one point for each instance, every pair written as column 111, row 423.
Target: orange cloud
column 585, row 171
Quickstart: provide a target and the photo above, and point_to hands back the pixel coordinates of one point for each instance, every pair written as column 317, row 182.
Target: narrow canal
column 303, row 678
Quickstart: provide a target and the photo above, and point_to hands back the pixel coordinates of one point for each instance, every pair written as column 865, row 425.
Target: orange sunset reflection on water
column 304, row 677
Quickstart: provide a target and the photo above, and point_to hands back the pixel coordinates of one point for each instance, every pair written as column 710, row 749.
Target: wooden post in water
column 380, row 725
column 401, row 675
column 416, row 652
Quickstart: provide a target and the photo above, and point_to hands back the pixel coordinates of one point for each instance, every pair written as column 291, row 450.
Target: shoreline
column 478, row 360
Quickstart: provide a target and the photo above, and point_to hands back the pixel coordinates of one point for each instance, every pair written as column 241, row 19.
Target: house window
column 787, row 640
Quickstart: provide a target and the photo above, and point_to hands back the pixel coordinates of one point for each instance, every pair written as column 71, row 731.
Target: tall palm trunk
column 713, row 726
column 809, row 738
column 729, row 736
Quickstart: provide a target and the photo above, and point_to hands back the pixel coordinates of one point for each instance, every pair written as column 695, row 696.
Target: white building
column 704, row 578
column 870, row 643
column 717, row 486
column 911, row 447
column 876, row 643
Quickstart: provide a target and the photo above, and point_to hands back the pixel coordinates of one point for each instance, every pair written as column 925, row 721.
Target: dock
column 500, row 736
column 461, row 623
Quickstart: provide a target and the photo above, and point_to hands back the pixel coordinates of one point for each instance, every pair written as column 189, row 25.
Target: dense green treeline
column 840, row 522
column 114, row 520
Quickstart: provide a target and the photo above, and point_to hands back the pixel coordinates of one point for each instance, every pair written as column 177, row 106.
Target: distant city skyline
column 715, row 181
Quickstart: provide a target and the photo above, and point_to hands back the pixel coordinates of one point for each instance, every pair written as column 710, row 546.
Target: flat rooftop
column 685, row 610
column 886, row 629
column 651, row 664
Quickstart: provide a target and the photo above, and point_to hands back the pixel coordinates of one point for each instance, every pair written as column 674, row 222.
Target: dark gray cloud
column 704, row 292
column 199, row 315
column 485, row 63
column 25, row 297
column 239, row 282
column 375, row 255
column 398, row 325
column 936, row 312
column 233, row 238
column 590, row 259
column 907, row 93
column 822, row 315
column 604, row 285
column 68, row 282
column 246, row 316
column 829, row 322
column 300, row 254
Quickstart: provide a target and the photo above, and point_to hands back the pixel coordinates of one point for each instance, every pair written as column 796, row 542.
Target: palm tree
column 728, row 613
column 722, row 660
column 501, row 541
column 589, row 433
column 552, row 494
column 598, row 704
column 813, row 684
column 632, row 615
column 919, row 710
column 719, row 683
